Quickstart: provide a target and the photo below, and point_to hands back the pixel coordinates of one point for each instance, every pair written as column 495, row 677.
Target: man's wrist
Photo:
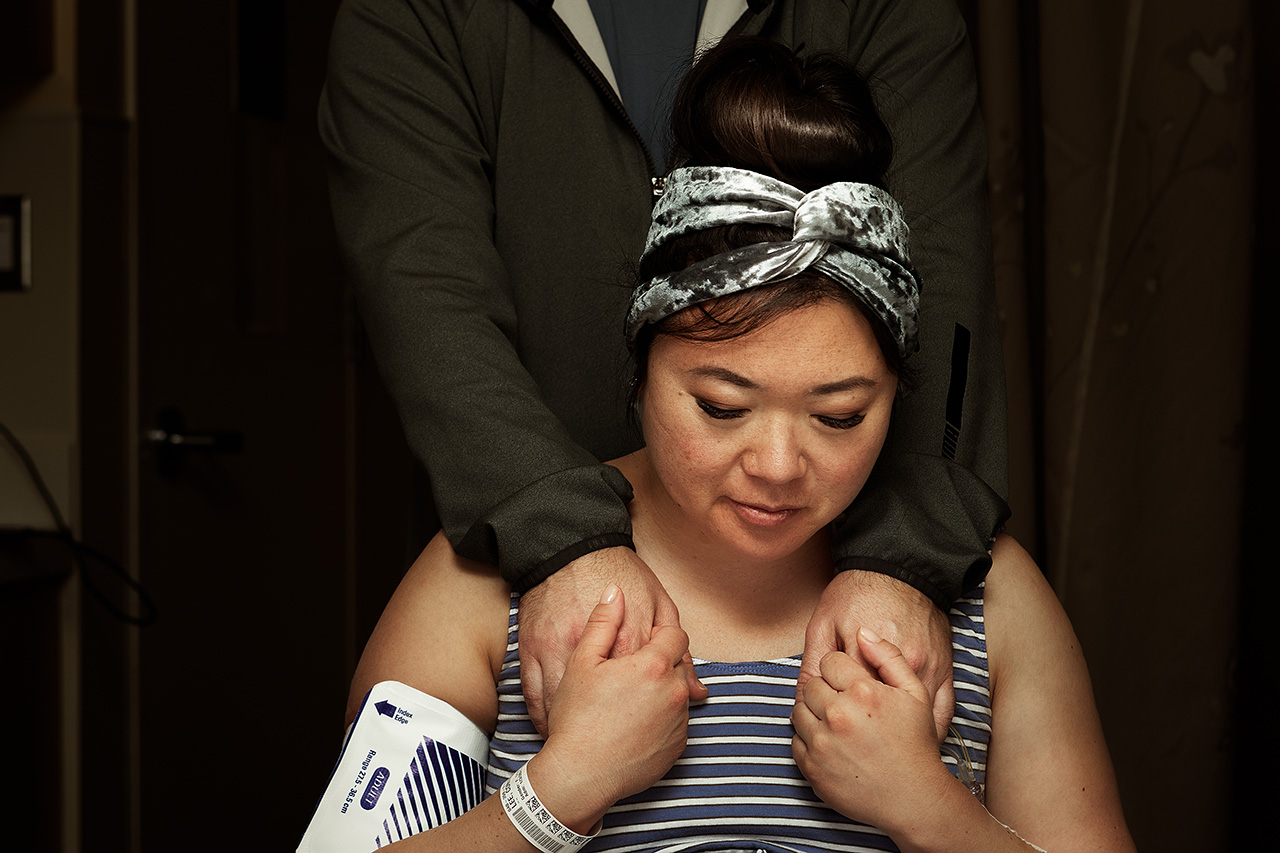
column 898, row 573
column 549, row 567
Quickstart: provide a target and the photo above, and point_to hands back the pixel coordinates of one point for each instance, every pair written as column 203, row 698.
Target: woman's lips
column 763, row 516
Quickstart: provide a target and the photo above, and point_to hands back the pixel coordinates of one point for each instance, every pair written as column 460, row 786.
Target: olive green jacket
column 490, row 194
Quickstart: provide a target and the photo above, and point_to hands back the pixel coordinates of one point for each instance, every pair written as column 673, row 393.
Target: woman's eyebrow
column 851, row 384
column 725, row 375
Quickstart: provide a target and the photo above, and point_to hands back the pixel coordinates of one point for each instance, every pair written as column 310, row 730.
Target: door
column 250, row 398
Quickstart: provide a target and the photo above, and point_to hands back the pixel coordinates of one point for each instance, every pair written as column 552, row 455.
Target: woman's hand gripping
column 866, row 742
column 552, row 615
column 617, row 724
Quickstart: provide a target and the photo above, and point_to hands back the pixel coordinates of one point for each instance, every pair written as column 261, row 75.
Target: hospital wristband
column 533, row 819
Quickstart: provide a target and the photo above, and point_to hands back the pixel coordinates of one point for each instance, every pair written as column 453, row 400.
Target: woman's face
column 762, row 440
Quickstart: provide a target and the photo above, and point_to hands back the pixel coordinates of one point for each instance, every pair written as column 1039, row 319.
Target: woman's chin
column 775, row 539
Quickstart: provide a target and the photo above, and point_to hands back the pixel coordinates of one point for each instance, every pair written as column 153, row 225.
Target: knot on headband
column 852, row 233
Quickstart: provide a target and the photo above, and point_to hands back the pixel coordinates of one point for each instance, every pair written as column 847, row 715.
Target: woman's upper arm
column 444, row 632
column 1049, row 775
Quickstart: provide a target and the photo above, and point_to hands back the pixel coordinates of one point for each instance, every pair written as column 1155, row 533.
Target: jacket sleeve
column 410, row 186
column 935, row 501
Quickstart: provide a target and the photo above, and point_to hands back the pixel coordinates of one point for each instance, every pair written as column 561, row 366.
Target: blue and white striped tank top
column 736, row 787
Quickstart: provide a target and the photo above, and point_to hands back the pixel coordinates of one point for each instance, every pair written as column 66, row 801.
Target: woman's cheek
column 853, row 474
column 684, row 433
column 670, row 449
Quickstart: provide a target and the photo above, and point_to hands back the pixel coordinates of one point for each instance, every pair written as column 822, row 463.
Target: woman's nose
column 775, row 455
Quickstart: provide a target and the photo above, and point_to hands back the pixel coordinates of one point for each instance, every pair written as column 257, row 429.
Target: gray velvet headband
column 852, row 233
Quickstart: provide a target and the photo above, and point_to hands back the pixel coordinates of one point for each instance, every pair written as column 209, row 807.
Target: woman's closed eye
column 720, row 414
column 846, row 422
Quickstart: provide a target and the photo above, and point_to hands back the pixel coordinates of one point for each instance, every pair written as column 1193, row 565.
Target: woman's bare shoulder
column 1015, row 582
column 1049, row 774
column 444, row 632
column 1026, row 627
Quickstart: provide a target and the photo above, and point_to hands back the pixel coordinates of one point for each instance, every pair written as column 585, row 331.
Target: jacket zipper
column 605, row 89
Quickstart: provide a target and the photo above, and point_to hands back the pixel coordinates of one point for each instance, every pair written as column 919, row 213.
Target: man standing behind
column 493, row 166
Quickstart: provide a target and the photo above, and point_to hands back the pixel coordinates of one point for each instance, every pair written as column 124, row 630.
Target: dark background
column 210, row 300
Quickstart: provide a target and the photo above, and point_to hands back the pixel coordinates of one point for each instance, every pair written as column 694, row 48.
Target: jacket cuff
column 548, row 568
column 926, row 521
column 550, row 523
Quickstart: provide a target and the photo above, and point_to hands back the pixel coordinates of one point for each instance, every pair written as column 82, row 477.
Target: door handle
column 170, row 440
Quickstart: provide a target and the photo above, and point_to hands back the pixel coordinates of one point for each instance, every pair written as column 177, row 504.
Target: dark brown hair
column 755, row 104
column 750, row 103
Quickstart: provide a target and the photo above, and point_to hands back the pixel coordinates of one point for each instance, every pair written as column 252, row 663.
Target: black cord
column 79, row 550
column 34, row 473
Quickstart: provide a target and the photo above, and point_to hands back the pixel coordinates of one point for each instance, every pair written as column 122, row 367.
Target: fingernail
column 871, row 636
column 610, row 593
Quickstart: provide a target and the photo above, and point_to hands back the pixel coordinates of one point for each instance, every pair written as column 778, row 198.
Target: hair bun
column 755, row 104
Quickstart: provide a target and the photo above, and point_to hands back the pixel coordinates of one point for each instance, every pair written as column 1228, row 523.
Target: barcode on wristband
column 534, row 820
column 530, row 827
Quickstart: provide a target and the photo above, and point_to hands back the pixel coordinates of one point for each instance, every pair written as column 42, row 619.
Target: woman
column 776, row 311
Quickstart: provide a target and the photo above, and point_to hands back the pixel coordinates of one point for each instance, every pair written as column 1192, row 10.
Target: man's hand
column 895, row 611
column 553, row 614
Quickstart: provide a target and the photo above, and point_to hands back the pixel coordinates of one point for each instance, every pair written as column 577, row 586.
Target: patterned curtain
column 1121, row 189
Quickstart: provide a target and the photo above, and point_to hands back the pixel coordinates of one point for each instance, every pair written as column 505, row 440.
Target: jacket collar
column 717, row 19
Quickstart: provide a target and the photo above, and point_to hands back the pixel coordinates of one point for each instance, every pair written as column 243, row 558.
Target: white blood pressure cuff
column 409, row 762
